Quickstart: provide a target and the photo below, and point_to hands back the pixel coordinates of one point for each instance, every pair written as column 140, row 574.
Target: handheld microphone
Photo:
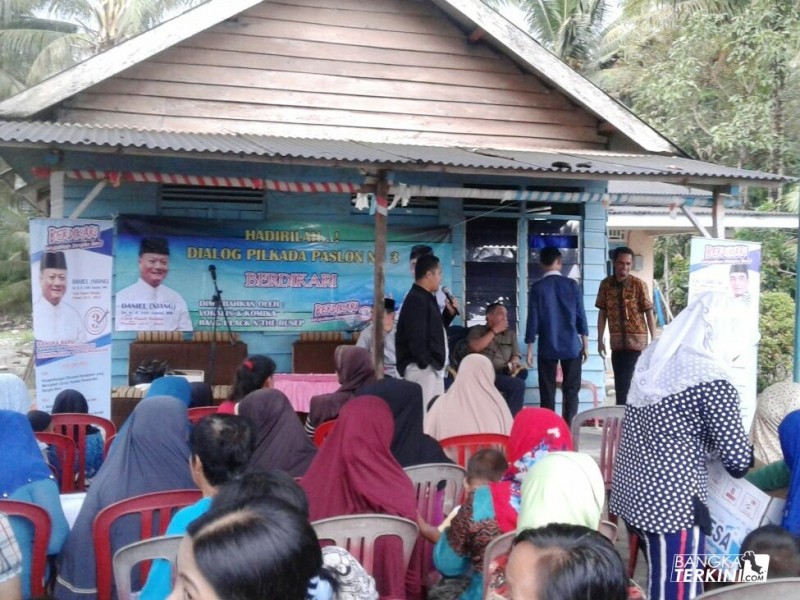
column 213, row 270
column 450, row 298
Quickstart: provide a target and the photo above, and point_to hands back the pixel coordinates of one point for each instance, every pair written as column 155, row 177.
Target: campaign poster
column 71, row 270
column 276, row 275
column 733, row 268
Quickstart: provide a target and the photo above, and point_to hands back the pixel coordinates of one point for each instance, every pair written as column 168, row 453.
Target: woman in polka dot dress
column 682, row 410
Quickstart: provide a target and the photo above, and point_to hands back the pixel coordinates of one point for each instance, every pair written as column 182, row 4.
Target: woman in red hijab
column 489, row 511
column 355, row 473
column 536, row 431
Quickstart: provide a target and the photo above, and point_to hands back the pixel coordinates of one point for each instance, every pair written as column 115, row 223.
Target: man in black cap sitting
column 148, row 304
column 53, row 319
column 365, row 339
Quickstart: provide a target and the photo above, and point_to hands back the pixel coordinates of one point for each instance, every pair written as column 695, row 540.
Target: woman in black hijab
column 410, row 446
column 72, row 401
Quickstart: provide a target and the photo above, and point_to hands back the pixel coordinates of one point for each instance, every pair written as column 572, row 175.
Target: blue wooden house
column 276, row 110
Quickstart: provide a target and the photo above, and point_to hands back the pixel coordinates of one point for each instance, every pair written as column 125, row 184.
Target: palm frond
column 15, row 298
column 59, row 54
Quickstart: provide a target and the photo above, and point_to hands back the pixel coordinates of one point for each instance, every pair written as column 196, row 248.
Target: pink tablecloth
column 300, row 387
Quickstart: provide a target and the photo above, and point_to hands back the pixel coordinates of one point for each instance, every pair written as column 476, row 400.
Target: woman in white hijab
column 471, row 405
column 14, row 394
column 681, row 408
column 562, row 487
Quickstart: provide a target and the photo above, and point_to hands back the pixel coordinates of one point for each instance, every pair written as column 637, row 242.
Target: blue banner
column 276, row 276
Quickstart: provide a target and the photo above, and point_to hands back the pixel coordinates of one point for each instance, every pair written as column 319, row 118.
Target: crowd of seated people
column 263, row 483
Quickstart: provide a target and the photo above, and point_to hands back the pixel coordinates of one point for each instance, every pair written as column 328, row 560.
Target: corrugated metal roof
column 663, row 219
column 665, row 210
column 562, row 163
column 653, row 188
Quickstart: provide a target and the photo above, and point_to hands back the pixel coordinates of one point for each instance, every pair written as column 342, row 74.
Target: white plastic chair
column 439, row 489
column 609, row 530
column 496, row 548
column 776, row 589
column 358, row 533
column 127, row 557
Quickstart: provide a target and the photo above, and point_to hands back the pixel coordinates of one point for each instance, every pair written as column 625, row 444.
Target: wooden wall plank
column 354, row 36
column 333, row 15
column 257, row 59
column 390, row 106
column 522, row 141
column 594, row 239
column 201, row 109
column 218, row 38
column 417, row 7
column 301, row 82
column 389, row 70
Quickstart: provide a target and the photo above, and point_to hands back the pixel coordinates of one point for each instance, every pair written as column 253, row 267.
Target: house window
column 212, row 202
column 564, row 234
column 491, row 268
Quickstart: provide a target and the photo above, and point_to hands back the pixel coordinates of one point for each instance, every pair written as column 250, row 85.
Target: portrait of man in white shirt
column 54, row 320
column 148, row 304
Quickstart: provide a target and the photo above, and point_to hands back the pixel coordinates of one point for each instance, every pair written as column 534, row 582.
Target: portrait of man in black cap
column 148, row 304
column 366, row 337
column 54, row 320
column 739, row 280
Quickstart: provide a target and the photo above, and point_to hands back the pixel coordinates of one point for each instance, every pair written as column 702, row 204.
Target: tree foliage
column 776, row 348
column 720, row 83
column 570, row 29
column 778, row 258
column 671, row 272
column 15, row 269
column 33, row 48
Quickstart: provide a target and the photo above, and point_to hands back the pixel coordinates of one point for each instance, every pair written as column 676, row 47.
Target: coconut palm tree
column 39, row 38
column 23, row 35
column 570, row 29
column 15, row 270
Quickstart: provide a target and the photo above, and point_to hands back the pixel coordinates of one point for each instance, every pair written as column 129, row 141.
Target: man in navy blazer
column 557, row 318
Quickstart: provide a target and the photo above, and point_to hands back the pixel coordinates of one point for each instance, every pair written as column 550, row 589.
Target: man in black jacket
column 420, row 339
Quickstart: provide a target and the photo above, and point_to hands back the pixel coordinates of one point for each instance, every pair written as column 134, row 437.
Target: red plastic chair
column 201, row 412
column 73, row 425
column 323, row 431
column 40, row 520
column 155, row 510
column 107, row 445
column 460, row 448
column 66, row 450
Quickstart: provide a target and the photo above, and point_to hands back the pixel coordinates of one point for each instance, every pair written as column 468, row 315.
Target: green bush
column 776, row 349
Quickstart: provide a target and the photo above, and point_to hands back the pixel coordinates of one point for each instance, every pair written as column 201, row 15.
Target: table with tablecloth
column 301, row 387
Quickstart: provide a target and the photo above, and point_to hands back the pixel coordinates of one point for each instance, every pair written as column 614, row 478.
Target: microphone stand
column 218, row 306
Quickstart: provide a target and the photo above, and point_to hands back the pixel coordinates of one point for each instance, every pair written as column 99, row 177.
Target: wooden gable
column 382, row 71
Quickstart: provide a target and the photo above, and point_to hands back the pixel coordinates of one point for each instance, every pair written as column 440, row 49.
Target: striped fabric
column 660, row 551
